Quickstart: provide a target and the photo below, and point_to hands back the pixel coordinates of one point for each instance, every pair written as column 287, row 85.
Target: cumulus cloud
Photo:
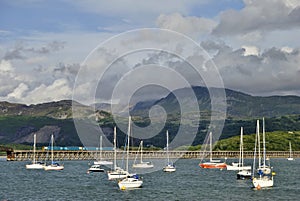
column 58, row 90
column 268, row 72
column 250, row 50
column 18, row 92
column 21, row 51
column 188, row 25
column 259, row 15
column 5, row 66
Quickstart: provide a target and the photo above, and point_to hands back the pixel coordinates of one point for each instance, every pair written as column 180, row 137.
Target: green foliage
column 275, row 141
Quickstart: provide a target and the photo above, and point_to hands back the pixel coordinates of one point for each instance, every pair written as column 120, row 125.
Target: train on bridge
column 75, row 148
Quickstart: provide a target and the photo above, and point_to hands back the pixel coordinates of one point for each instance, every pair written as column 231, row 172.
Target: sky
column 254, row 43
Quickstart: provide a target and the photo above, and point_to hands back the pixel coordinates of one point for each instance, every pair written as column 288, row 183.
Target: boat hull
column 129, row 183
column 103, row 162
column 263, row 182
column 142, row 165
column 169, row 168
column 231, row 167
column 166, row 169
column 35, row 166
column 213, row 165
column 95, row 168
column 244, row 174
column 51, row 167
column 117, row 174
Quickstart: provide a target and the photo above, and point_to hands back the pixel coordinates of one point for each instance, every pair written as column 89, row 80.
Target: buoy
column 258, row 187
column 123, row 188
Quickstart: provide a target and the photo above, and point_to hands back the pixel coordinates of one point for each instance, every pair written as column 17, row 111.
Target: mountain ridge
column 19, row 121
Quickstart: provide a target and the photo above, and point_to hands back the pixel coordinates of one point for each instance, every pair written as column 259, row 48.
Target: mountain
column 239, row 105
column 19, row 122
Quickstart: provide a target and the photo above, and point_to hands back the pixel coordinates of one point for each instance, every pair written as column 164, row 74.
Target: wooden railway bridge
column 22, row 155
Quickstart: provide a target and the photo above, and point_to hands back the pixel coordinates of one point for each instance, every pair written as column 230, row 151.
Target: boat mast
column 115, row 148
column 264, row 144
column 258, row 144
column 52, row 149
column 34, row 147
column 128, row 139
column 168, row 146
column 254, row 157
column 142, row 151
column 210, row 145
column 100, row 148
column 290, row 149
column 241, row 162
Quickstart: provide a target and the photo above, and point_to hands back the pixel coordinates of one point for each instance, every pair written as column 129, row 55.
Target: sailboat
column 117, row 172
column 244, row 171
column 142, row 164
column 132, row 180
column 170, row 167
column 95, row 168
column 240, row 165
column 53, row 165
column 262, row 180
column 35, row 164
column 290, row 158
column 100, row 161
column 262, row 162
column 212, row 164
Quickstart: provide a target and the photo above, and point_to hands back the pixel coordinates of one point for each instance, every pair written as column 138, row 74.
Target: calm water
column 189, row 182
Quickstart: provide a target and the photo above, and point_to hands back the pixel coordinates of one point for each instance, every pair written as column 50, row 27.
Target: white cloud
column 58, row 90
column 191, row 26
column 5, row 66
column 250, row 50
column 18, row 92
column 42, row 66
column 259, row 15
column 267, row 73
column 287, row 49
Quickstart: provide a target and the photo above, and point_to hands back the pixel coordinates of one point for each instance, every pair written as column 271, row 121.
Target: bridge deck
column 21, row 155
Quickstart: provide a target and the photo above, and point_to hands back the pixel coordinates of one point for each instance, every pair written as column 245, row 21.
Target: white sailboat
column 244, row 171
column 117, row 172
column 212, row 164
column 262, row 180
column 132, row 180
column 95, row 168
column 240, row 165
column 35, row 164
column 53, row 165
column 170, row 167
column 100, row 161
column 290, row 158
column 262, row 162
column 141, row 164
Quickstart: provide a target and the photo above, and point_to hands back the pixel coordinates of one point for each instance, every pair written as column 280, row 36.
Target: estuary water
column 189, row 182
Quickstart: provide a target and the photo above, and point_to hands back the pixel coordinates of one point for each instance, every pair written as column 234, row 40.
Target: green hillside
column 18, row 122
column 275, row 141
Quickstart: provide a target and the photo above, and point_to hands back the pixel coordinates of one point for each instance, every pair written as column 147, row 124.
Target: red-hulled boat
column 211, row 165
column 217, row 164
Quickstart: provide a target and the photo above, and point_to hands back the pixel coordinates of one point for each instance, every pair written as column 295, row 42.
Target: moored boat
column 170, row 167
column 53, row 165
column 96, row 168
column 35, row 164
column 265, row 177
column 132, row 180
column 213, row 163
